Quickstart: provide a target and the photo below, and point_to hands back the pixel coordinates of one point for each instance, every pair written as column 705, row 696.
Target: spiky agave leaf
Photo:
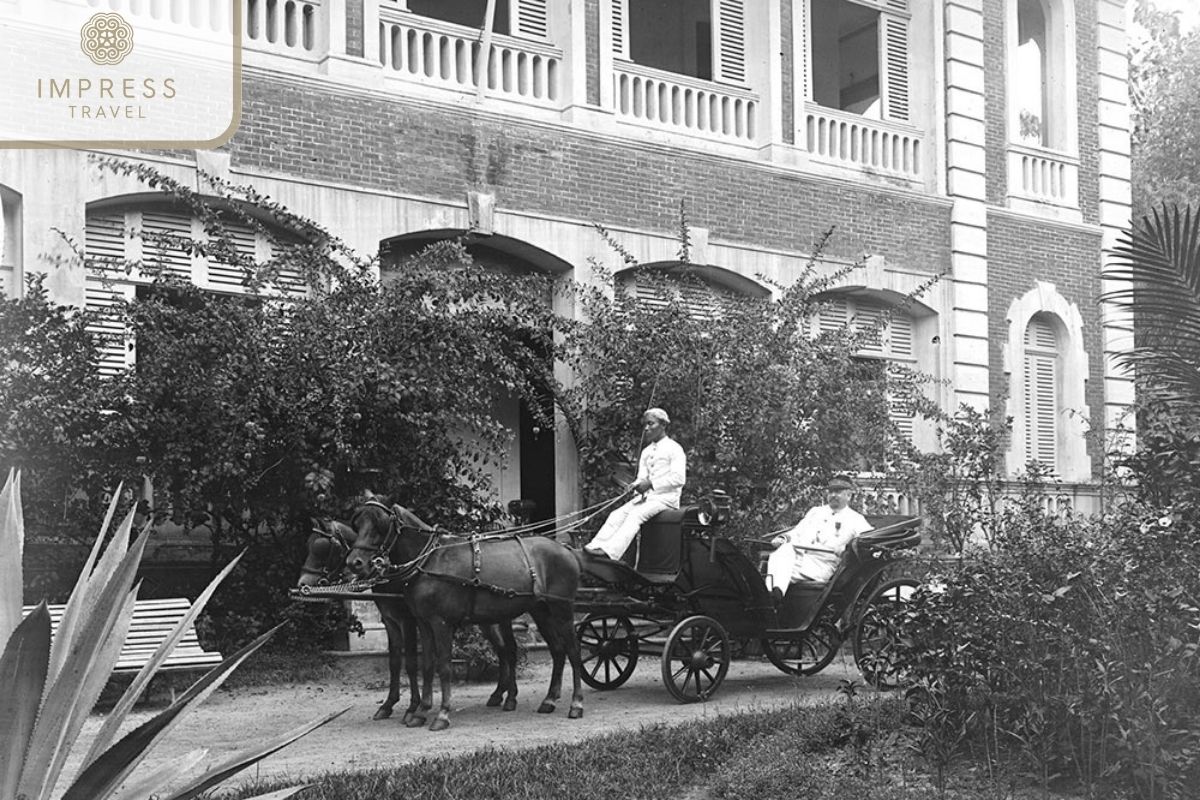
column 121, row 710
column 66, row 626
column 148, row 785
column 1157, row 263
column 236, row 763
column 23, row 676
column 104, row 775
column 12, row 540
column 73, row 691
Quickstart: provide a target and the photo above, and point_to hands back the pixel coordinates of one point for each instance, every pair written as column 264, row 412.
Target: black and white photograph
column 555, row 399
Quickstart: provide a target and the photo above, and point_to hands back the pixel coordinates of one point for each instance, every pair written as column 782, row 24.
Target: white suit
column 821, row 527
column 664, row 464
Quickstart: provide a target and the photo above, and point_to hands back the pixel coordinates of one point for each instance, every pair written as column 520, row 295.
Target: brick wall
column 1021, row 252
column 1088, row 89
column 388, row 144
column 995, row 101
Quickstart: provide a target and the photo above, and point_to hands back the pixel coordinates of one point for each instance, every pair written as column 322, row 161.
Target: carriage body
column 680, row 576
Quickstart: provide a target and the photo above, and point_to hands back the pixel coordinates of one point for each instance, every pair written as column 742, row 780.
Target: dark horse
column 485, row 579
column 328, row 546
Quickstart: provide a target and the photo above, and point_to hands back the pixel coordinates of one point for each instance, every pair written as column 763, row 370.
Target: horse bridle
column 381, row 561
column 337, row 540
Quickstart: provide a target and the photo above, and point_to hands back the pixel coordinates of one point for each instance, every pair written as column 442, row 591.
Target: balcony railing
column 288, row 27
column 1043, row 176
column 685, row 104
column 868, row 145
column 442, row 54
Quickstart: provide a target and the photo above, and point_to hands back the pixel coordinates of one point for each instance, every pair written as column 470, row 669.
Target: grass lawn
column 859, row 750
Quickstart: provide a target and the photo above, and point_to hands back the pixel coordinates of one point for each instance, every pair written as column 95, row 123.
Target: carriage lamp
column 714, row 508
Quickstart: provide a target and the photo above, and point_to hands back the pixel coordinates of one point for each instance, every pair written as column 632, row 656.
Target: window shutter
column 532, row 19
column 895, row 65
column 231, row 277
column 1041, row 393
column 162, row 232
column 900, row 336
column 699, row 300
column 620, row 28
column 867, row 319
column 834, row 315
column 731, row 41
column 104, row 246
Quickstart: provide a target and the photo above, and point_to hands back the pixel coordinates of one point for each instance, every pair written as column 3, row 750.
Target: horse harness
column 405, row 573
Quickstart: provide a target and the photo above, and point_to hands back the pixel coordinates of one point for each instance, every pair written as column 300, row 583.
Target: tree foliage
column 765, row 408
column 1164, row 65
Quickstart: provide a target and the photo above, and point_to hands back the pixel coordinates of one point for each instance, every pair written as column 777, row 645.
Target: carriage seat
column 655, row 552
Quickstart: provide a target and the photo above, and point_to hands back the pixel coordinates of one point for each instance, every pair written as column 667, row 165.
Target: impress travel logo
column 141, row 73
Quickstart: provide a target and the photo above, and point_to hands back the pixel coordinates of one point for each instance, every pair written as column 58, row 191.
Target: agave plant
column 1157, row 265
column 52, row 683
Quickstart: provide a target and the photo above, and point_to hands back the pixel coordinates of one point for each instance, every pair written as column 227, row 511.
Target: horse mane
column 410, row 520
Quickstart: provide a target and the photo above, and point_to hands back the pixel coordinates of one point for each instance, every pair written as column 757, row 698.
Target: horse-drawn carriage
column 680, row 579
column 690, row 596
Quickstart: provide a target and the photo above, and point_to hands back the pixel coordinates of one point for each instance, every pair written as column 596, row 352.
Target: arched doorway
column 527, row 485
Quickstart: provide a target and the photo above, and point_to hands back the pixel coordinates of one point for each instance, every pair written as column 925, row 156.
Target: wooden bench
column 153, row 621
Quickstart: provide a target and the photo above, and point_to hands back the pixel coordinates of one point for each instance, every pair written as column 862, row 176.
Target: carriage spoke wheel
column 608, row 645
column 695, row 659
column 804, row 653
column 875, row 634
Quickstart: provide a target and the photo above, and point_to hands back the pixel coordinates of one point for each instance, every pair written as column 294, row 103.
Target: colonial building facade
column 986, row 141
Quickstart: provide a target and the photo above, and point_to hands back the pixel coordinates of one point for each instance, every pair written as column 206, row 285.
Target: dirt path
column 229, row 719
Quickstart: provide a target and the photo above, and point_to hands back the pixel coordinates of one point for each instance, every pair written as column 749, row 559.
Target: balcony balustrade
column 286, row 27
column 1043, row 176
column 867, row 145
column 682, row 103
column 442, row 54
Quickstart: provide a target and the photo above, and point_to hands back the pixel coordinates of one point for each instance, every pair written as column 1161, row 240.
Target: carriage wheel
column 806, row 653
column 875, row 634
column 609, row 647
column 695, row 659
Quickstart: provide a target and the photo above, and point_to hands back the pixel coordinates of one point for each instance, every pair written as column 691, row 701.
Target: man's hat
column 839, row 482
column 658, row 414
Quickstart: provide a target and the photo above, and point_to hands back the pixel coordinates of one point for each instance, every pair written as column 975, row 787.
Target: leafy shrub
column 1069, row 647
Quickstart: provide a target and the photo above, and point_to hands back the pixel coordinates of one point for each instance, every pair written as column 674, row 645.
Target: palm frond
column 1157, row 272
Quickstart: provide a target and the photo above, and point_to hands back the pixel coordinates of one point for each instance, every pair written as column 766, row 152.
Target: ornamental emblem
column 106, row 39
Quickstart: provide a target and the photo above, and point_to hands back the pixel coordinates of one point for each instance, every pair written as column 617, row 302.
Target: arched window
column 10, row 242
column 155, row 236
column 1041, row 74
column 887, row 342
column 1041, row 400
column 1047, row 368
column 700, row 288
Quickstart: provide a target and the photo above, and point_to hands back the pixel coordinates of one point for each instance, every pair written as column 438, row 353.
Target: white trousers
column 622, row 525
column 785, row 566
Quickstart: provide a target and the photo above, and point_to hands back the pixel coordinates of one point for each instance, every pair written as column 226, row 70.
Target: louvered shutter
column 1041, row 393
column 894, row 60
column 163, row 233
column 532, row 19
column 698, row 299
column 731, row 41
column 867, row 319
column 833, row 316
column 899, row 343
column 620, row 28
column 104, row 245
column 228, row 276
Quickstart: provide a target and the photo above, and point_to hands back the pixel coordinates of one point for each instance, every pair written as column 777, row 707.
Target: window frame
column 1060, row 114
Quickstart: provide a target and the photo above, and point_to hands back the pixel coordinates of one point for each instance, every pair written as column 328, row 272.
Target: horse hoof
column 413, row 721
column 546, row 708
column 439, row 724
column 383, row 712
column 495, row 700
column 510, row 704
column 575, row 713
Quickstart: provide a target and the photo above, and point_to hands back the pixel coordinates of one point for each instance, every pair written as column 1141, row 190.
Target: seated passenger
column 662, row 471
column 826, row 530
